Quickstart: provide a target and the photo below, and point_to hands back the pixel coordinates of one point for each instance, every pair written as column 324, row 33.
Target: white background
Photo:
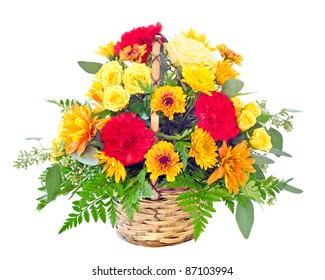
column 41, row 42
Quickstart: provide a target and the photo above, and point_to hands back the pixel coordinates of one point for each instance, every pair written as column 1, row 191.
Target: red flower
column 140, row 36
column 126, row 138
column 216, row 115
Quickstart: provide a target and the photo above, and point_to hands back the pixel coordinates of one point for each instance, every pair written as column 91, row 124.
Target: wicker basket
column 159, row 223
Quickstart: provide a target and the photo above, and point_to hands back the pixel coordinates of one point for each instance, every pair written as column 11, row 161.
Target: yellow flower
column 198, row 37
column 77, row 128
column 112, row 167
column 57, row 149
column 260, row 140
column 96, row 96
column 234, row 163
column 253, row 108
column 238, row 104
column 169, row 100
column 203, row 149
column 224, row 71
column 246, row 120
column 136, row 72
column 110, row 74
column 107, row 51
column 229, row 54
column 115, row 98
column 161, row 159
column 200, row 79
column 182, row 50
column 134, row 53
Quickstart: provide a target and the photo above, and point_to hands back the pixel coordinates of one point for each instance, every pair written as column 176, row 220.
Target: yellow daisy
column 200, row 79
column 224, row 71
column 106, row 51
column 161, row 159
column 169, row 100
column 229, row 54
column 198, row 37
column 96, row 96
column 203, row 149
column 77, row 128
column 112, row 167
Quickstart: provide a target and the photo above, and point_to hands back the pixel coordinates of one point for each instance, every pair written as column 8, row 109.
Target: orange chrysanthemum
column 224, row 71
column 77, row 128
column 229, row 54
column 169, row 100
column 161, row 159
column 112, row 167
column 134, row 53
column 96, row 96
column 234, row 163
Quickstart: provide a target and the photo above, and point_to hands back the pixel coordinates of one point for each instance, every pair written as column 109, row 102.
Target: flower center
column 164, row 160
column 168, row 101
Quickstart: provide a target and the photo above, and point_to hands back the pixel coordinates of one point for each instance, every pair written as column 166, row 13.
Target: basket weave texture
column 159, row 223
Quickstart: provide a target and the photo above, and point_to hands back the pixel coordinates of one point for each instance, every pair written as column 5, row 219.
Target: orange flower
column 229, row 54
column 134, row 53
column 77, row 128
column 224, row 71
column 234, row 163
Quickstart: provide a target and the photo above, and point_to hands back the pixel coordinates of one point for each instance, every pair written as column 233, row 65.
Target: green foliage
column 90, row 67
column 232, row 87
column 26, row 159
column 53, row 181
column 64, row 104
column 245, row 217
column 181, row 148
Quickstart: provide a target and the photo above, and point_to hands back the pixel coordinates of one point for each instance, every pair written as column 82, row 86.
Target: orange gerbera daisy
column 229, row 54
column 234, row 163
column 134, row 53
column 77, row 128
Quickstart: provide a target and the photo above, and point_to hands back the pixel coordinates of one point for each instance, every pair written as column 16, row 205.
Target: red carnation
column 216, row 115
column 126, row 138
column 141, row 35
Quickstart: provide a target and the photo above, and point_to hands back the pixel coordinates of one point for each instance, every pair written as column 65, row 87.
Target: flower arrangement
column 187, row 128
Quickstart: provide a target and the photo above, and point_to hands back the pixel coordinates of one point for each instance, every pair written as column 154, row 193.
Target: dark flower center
column 169, row 101
column 164, row 160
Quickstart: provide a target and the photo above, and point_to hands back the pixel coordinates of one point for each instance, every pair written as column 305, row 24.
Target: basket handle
column 155, row 78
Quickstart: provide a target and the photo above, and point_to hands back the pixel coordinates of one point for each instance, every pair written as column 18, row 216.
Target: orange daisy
column 234, row 163
column 134, row 53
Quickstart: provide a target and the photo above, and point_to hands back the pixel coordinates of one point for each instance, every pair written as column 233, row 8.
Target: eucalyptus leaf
column 53, row 182
column 293, row 111
column 90, row 67
column 245, row 217
column 87, row 157
column 33, row 138
column 232, row 86
column 276, row 138
column 278, row 152
column 260, row 160
column 292, row 189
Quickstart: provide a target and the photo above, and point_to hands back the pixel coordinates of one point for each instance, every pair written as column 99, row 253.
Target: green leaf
column 260, row 160
column 136, row 105
column 33, row 138
column 232, row 86
column 293, row 111
column 245, row 217
column 276, row 138
column 278, row 152
column 53, row 182
column 87, row 157
column 259, row 173
column 90, row 67
column 292, row 189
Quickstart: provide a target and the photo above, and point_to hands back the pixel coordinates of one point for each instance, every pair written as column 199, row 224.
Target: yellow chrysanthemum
column 198, row 37
column 77, row 128
column 234, row 163
column 203, row 149
column 224, row 71
column 134, row 53
column 199, row 78
column 106, row 51
column 169, row 100
column 96, row 96
column 161, row 159
column 112, row 167
column 229, row 54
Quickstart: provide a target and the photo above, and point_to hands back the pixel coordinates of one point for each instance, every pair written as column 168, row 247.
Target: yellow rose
column 246, row 120
column 110, row 74
column 136, row 72
column 238, row 104
column 260, row 140
column 182, row 50
column 253, row 108
column 115, row 98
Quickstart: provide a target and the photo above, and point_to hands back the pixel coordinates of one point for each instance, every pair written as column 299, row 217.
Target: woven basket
column 159, row 223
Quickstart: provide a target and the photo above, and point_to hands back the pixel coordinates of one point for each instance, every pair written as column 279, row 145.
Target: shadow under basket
column 159, row 223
